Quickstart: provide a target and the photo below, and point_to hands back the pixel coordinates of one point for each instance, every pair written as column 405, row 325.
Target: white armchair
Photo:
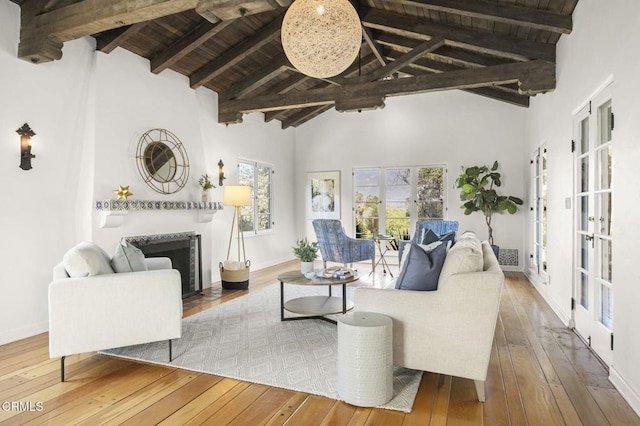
column 112, row 310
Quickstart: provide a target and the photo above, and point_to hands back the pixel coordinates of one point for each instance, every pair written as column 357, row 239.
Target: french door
column 593, row 278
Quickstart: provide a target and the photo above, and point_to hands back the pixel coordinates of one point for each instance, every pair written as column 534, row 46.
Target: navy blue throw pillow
column 421, row 269
column 431, row 237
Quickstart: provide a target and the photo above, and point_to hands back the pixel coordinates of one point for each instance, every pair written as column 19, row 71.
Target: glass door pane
column 430, row 193
column 367, row 201
column 397, row 202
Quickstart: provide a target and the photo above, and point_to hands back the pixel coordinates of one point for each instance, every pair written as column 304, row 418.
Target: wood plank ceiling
column 501, row 49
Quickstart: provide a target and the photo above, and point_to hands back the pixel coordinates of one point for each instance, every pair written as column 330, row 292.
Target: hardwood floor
column 540, row 374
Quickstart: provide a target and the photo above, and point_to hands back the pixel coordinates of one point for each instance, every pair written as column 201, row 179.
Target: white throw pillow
column 86, row 259
column 128, row 258
column 464, row 256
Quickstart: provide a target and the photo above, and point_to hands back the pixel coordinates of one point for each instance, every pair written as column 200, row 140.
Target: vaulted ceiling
column 501, row 49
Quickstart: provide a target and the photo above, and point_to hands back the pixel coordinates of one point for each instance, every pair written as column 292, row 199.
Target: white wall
column 453, row 128
column 605, row 35
column 89, row 111
column 37, row 206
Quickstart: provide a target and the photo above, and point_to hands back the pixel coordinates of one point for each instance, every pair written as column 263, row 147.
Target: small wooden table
column 314, row 307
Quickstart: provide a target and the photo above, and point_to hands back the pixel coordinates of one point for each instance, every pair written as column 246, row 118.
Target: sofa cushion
column 464, row 256
column 425, row 247
column 86, row 259
column 128, row 258
column 421, row 268
column 429, row 236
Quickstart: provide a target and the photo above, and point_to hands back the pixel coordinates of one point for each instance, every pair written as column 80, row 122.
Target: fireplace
column 184, row 250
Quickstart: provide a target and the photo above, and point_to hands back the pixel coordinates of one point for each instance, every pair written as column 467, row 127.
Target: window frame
column 255, row 214
column 382, row 194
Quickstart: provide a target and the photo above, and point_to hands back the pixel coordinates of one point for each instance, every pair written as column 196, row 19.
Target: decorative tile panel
column 142, row 205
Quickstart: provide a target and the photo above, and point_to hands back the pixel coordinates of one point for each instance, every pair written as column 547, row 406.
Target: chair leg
column 170, row 351
column 480, row 389
column 324, row 264
column 62, row 369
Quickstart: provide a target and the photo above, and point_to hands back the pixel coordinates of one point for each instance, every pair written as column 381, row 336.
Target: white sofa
column 448, row 331
column 112, row 310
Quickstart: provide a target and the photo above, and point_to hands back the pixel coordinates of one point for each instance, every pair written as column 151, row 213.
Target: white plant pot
column 204, row 196
column 306, row 267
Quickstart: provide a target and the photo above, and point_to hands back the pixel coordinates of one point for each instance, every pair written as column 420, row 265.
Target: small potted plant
column 307, row 252
column 205, row 186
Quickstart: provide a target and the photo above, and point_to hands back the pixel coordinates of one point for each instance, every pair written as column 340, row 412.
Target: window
column 258, row 217
column 539, row 182
column 407, row 195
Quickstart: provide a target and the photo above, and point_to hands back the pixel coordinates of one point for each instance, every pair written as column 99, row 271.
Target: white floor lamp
column 235, row 275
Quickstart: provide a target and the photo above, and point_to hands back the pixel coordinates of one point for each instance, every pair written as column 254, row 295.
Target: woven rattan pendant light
column 321, row 38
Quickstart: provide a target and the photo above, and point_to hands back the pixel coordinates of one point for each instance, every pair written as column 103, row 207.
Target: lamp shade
column 237, row 195
column 321, row 38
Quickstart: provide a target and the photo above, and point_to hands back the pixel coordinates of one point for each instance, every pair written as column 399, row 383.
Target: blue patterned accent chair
column 436, row 225
column 336, row 246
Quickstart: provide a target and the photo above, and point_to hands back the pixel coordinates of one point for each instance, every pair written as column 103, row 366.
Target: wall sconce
column 221, row 173
column 25, row 133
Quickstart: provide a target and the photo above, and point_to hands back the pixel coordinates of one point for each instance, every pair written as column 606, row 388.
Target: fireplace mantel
column 113, row 212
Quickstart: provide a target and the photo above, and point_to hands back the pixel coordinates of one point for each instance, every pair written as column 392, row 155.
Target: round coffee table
column 314, row 307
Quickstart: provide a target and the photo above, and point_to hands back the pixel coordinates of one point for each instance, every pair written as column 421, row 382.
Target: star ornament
column 122, row 192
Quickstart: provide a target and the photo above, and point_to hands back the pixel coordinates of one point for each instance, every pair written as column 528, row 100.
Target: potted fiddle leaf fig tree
column 307, row 252
column 477, row 186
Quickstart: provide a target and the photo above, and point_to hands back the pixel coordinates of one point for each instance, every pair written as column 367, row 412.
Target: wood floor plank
column 614, row 407
column 173, row 402
column 495, row 409
column 201, row 402
column 288, row 408
column 340, row 414
column 238, row 405
column 512, row 392
column 218, row 404
column 424, row 403
column 385, row 417
column 265, row 407
column 464, row 407
column 141, row 399
column 568, row 411
column 539, row 402
column 441, row 406
column 313, row 407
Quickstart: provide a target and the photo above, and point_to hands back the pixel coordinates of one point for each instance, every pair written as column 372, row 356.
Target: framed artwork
column 323, row 195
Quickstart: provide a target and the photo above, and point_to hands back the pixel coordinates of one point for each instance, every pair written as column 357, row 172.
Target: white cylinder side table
column 365, row 359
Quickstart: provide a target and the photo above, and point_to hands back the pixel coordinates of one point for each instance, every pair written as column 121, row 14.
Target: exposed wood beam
column 237, row 53
column 352, row 71
column 249, row 84
column 186, row 44
column 505, row 13
column 114, row 38
column 95, row 16
column 533, row 77
column 42, row 36
column 492, row 93
column 216, row 10
column 283, row 87
column 483, row 42
column 445, row 54
column 506, row 93
column 430, row 65
column 420, row 50
column 303, row 116
column 374, row 102
column 373, row 45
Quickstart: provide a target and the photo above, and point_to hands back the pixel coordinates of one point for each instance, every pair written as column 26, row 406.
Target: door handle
column 591, row 238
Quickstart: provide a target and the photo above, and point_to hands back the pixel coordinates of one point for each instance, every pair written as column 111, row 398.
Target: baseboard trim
column 540, row 288
column 14, row 335
column 627, row 392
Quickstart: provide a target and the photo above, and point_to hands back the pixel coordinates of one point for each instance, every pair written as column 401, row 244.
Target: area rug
column 244, row 339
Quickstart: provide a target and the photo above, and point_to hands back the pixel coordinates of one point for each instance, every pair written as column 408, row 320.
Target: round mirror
column 162, row 161
column 159, row 162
